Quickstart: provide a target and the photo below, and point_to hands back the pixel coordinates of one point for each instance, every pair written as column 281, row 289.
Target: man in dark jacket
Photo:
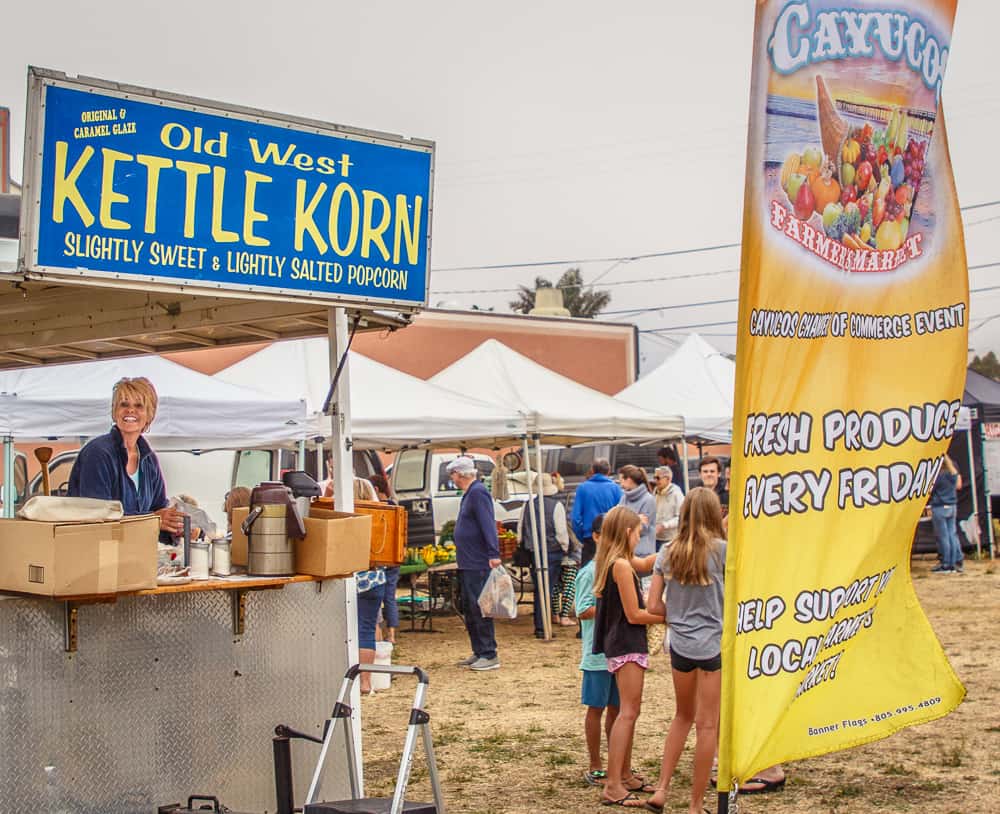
column 477, row 550
column 596, row 495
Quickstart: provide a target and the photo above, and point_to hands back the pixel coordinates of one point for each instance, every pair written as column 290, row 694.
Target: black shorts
column 682, row 664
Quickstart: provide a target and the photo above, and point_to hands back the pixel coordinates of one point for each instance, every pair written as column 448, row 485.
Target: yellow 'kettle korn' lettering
column 851, row 351
column 376, row 226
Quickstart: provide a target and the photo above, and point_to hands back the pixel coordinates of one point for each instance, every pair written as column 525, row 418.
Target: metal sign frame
column 39, row 79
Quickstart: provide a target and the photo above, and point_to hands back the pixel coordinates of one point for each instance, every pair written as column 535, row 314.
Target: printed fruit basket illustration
column 859, row 184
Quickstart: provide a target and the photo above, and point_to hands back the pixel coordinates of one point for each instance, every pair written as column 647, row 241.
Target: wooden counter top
column 237, row 582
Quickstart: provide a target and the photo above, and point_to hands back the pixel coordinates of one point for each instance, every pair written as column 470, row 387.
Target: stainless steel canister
column 271, row 552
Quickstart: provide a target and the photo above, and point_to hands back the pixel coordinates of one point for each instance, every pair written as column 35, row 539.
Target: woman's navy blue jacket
column 100, row 472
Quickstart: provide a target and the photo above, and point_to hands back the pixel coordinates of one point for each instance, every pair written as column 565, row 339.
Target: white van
column 421, row 483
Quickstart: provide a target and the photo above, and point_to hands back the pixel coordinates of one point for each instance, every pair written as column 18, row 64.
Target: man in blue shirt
column 596, row 495
column 477, row 551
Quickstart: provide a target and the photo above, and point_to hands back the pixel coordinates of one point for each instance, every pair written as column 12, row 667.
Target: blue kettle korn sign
column 144, row 188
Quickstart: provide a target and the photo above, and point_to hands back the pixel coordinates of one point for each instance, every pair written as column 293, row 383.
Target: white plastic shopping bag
column 498, row 600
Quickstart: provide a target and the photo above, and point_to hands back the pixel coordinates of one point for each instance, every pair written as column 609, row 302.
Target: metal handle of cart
column 419, row 722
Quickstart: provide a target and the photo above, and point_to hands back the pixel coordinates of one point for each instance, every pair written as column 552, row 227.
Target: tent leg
column 723, row 803
column 536, row 548
column 975, row 490
column 684, row 456
column 547, row 589
column 986, row 490
column 343, row 489
column 9, row 487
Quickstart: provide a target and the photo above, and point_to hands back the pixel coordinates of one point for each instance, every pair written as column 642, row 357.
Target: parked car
column 422, row 485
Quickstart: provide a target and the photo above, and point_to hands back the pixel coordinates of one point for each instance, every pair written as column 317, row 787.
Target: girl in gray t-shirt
column 688, row 585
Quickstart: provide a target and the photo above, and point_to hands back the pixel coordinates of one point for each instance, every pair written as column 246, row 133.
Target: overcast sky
column 564, row 130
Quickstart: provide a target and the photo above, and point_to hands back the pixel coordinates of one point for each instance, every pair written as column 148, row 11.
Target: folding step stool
column 419, row 722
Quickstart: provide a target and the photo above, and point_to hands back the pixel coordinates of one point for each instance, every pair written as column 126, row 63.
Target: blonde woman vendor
column 121, row 465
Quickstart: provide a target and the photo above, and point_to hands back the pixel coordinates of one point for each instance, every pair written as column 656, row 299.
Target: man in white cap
column 477, row 550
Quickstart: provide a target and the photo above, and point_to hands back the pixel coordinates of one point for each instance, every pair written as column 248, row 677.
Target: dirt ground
column 511, row 740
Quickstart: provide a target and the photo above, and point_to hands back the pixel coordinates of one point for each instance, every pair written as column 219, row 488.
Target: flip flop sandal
column 623, row 802
column 651, row 806
column 767, row 786
column 596, row 777
column 642, row 788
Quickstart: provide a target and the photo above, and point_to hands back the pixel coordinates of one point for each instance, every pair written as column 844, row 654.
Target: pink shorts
column 615, row 663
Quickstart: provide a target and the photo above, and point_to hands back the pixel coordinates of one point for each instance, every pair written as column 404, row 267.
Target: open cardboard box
column 335, row 545
column 78, row 559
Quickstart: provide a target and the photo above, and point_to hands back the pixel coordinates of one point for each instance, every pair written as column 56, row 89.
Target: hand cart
column 419, row 722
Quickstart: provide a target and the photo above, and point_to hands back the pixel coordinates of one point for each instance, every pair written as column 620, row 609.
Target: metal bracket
column 319, row 586
column 239, row 600
column 70, row 626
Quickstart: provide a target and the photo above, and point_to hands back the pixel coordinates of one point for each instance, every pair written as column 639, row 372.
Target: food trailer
column 153, row 222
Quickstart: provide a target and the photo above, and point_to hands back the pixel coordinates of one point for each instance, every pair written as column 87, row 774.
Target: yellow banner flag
column 850, row 369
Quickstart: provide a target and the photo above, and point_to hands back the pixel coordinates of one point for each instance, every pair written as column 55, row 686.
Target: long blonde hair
column 699, row 529
column 615, row 544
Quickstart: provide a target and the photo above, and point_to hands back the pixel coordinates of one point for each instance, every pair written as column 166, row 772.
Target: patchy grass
column 511, row 741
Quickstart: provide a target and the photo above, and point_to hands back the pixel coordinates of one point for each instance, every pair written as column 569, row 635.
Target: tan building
column 601, row 355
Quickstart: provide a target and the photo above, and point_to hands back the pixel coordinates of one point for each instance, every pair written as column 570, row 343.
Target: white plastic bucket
column 383, row 655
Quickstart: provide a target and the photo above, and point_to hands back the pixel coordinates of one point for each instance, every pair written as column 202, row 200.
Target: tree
column 579, row 301
column 988, row 366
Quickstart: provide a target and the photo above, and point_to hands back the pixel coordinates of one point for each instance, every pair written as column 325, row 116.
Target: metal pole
column 547, row 589
column 684, row 454
column 343, row 494
column 9, row 487
column 320, row 468
column 300, row 461
column 535, row 549
column 986, row 488
column 723, row 803
column 975, row 496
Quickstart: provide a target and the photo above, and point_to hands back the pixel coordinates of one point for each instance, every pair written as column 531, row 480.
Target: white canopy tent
column 195, row 411
column 696, row 382
column 553, row 407
column 389, row 408
column 555, row 410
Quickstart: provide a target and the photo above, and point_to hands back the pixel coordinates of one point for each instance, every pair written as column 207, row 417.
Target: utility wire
column 660, row 279
column 678, row 328
column 540, row 263
column 624, row 258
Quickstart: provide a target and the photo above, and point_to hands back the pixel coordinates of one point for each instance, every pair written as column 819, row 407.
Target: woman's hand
column 171, row 520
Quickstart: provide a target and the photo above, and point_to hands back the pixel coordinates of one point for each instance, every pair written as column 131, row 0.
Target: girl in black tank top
column 620, row 633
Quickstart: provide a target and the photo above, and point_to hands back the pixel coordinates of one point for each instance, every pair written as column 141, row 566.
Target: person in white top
column 668, row 505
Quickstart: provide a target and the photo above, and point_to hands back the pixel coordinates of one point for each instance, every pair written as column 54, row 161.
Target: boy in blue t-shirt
column 599, row 690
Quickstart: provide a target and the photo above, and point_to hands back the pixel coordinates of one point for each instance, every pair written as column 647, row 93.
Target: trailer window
column 253, row 467
column 408, row 471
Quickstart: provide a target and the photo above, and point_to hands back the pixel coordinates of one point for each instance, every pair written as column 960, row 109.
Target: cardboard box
column 78, row 559
column 389, row 528
column 137, row 557
column 336, row 544
column 238, row 555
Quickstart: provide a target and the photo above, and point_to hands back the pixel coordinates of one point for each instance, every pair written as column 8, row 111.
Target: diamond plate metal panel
column 161, row 700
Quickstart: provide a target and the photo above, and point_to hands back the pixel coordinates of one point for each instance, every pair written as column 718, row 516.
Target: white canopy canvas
column 389, row 408
column 559, row 409
column 195, row 411
column 696, row 382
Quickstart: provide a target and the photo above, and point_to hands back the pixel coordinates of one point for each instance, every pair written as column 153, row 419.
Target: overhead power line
column 679, row 328
column 627, row 258
column 578, row 261
column 659, row 279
